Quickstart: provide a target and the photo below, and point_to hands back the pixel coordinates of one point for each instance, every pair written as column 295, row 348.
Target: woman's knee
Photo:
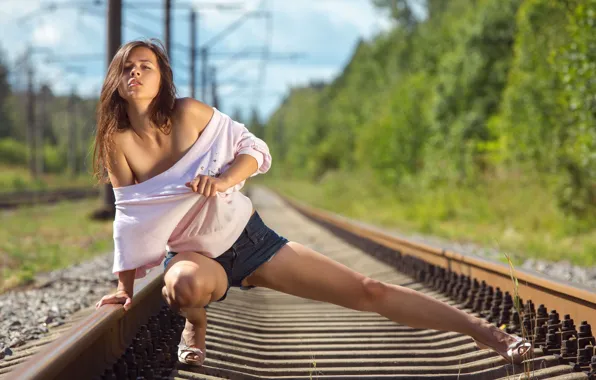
column 185, row 288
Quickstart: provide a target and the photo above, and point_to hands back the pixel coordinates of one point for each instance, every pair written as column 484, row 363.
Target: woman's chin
column 138, row 96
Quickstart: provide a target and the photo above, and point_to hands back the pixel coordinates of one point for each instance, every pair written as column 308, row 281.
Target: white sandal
column 519, row 351
column 184, row 351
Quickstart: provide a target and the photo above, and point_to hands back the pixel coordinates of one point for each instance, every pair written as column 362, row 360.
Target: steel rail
column 565, row 298
column 97, row 340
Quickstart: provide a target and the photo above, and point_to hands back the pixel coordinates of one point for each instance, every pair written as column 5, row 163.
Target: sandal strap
column 514, row 348
column 191, row 349
column 185, row 350
column 517, row 344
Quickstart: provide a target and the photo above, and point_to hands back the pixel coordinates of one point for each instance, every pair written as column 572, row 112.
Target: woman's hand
column 207, row 185
column 121, row 296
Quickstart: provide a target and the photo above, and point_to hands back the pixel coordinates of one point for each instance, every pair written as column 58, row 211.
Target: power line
column 225, row 59
column 147, row 16
column 234, row 25
column 266, row 51
column 75, row 57
column 139, row 28
column 233, row 58
column 194, row 5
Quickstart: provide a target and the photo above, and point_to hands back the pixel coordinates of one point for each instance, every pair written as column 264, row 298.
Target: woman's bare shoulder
column 120, row 174
column 122, row 138
column 191, row 112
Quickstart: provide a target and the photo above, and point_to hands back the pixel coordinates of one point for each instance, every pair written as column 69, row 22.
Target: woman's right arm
column 126, row 281
column 120, row 175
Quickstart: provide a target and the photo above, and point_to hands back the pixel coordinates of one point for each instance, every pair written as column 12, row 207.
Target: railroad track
column 30, row 197
column 262, row 334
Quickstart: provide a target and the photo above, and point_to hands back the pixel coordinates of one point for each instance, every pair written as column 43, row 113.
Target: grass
column 518, row 214
column 313, row 369
column 528, row 371
column 48, row 237
column 13, row 178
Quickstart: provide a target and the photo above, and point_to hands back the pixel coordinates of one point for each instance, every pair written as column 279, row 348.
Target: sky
column 307, row 40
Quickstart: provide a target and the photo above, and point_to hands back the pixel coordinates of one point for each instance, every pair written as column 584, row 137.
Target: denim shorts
column 256, row 245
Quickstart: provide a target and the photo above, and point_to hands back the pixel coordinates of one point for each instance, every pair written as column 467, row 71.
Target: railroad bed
column 262, row 334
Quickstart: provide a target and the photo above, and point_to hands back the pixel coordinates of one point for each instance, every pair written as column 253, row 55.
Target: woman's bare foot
column 194, row 333
column 510, row 347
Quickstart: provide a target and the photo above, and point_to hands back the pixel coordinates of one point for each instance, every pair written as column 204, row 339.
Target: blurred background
column 468, row 121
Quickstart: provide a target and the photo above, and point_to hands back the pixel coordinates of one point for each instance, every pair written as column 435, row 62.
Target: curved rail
column 30, row 197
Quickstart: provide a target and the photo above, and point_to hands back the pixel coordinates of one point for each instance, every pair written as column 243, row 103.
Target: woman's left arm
column 251, row 157
column 243, row 166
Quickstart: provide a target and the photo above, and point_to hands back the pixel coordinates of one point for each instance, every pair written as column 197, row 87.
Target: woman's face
column 140, row 77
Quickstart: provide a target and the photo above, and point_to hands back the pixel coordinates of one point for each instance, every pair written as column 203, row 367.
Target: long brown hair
column 111, row 110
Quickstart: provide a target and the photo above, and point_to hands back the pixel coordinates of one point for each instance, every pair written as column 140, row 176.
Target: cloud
column 324, row 31
column 47, row 34
column 358, row 15
column 280, row 79
column 59, row 34
column 11, row 10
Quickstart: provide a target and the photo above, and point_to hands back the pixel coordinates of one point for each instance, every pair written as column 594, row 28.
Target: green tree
column 237, row 115
column 477, row 88
column 575, row 64
column 400, row 10
column 6, row 122
column 48, row 105
column 255, row 124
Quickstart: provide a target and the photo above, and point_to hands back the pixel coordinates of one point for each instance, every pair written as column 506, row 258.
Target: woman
column 159, row 153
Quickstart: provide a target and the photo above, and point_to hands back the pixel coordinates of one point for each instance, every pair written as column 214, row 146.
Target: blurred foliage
column 13, row 152
column 48, row 237
column 15, row 178
column 6, row 124
column 514, row 215
column 575, row 64
column 53, row 114
column 400, row 10
column 473, row 91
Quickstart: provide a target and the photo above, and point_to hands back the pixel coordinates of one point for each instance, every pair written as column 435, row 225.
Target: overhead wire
column 266, row 51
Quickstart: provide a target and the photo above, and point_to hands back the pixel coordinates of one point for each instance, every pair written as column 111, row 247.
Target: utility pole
column 114, row 28
column 31, row 116
column 204, row 74
column 40, row 127
column 193, row 52
column 168, row 25
column 72, row 138
column 114, row 38
column 214, row 97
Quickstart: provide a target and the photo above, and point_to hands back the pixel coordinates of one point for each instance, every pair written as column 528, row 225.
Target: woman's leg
column 191, row 282
column 303, row 272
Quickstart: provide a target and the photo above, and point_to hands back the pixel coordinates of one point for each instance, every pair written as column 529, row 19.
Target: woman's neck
column 140, row 121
